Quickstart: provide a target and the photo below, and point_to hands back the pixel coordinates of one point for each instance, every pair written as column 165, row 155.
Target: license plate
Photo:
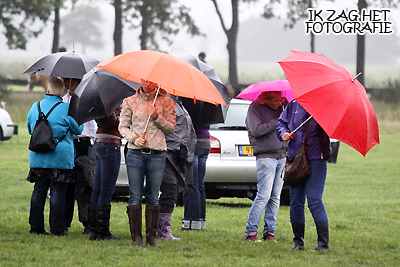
column 245, row 151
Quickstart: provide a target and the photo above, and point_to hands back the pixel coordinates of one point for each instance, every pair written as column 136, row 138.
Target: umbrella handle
column 143, row 135
column 291, row 134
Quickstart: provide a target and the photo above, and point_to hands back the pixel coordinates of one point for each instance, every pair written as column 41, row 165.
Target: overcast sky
column 203, row 12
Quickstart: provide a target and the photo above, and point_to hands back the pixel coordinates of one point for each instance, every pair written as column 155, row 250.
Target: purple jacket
column 290, row 119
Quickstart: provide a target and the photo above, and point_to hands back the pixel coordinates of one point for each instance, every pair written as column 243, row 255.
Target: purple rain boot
column 164, row 227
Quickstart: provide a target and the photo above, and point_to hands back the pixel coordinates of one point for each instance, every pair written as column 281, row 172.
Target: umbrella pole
column 148, row 119
column 304, row 122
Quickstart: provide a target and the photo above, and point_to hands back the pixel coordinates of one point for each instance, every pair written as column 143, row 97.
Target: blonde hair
column 265, row 97
column 56, row 87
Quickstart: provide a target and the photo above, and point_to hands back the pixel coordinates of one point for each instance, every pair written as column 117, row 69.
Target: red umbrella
column 334, row 97
column 253, row 91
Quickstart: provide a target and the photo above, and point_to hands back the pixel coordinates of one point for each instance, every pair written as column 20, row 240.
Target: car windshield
column 235, row 118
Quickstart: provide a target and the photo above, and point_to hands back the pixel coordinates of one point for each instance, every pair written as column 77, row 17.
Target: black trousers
column 79, row 190
column 169, row 195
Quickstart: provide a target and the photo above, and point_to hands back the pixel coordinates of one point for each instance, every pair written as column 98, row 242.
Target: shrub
column 390, row 92
column 4, row 91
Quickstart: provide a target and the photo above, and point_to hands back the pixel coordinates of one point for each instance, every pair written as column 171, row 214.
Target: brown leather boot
column 135, row 224
column 152, row 214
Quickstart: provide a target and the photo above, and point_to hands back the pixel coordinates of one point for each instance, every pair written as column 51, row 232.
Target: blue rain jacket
column 64, row 155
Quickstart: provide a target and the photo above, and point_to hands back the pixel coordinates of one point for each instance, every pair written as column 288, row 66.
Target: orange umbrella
column 172, row 74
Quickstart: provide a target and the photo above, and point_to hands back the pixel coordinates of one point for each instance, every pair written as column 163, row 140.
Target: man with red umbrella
column 318, row 151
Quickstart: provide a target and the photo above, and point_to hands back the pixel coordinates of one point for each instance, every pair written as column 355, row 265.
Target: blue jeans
column 313, row 189
column 194, row 197
column 57, row 206
column 108, row 162
column 269, row 187
column 140, row 165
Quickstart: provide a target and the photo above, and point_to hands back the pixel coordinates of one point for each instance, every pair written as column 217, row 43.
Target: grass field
column 362, row 198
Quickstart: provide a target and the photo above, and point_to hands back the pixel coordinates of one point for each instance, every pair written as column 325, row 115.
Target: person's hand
column 153, row 112
column 140, row 142
column 286, row 137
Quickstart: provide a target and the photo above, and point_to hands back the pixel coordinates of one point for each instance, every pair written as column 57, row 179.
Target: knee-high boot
column 135, row 224
column 323, row 237
column 93, row 221
column 164, row 227
column 298, row 239
column 103, row 223
column 152, row 214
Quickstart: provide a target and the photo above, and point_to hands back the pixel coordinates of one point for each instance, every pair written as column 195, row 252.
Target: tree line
column 155, row 18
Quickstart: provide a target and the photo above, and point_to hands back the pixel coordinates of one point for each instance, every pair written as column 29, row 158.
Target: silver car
column 231, row 166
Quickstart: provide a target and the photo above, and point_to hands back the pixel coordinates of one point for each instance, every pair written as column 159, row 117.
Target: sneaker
column 269, row 236
column 252, row 237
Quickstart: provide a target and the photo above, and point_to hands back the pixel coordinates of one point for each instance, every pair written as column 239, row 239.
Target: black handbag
column 42, row 135
column 297, row 169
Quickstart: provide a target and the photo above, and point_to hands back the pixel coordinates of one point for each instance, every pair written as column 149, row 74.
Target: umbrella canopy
column 63, row 64
column 336, row 100
column 209, row 71
column 173, row 74
column 252, row 92
column 203, row 113
column 99, row 93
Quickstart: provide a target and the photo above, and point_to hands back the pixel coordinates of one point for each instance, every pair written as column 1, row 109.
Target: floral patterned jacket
column 134, row 115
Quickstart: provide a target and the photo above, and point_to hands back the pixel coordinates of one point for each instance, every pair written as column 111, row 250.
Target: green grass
column 362, row 198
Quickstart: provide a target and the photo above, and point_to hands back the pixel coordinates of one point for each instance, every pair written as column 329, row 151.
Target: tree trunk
column 118, row 27
column 232, row 43
column 56, row 29
column 145, row 21
column 312, row 35
column 361, row 49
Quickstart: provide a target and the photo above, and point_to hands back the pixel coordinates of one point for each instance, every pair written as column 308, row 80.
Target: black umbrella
column 63, row 64
column 99, row 93
column 203, row 113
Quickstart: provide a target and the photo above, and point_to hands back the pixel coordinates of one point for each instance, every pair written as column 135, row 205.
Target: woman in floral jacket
column 146, row 154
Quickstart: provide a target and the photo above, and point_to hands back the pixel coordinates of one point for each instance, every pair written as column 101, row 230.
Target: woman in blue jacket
column 318, row 151
column 52, row 169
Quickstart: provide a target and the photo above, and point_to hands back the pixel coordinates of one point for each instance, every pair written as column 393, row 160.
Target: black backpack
column 42, row 137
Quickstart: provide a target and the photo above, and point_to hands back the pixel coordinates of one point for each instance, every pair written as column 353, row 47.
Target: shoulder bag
column 297, row 169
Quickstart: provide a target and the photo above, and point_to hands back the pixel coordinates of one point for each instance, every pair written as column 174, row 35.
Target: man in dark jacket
column 261, row 121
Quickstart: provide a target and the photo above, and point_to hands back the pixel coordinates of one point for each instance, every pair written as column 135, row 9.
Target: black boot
column 103, row 223
column 135, row 224
column 93, row 221
column 152, row 214
column 323, row 237
column 298, row 239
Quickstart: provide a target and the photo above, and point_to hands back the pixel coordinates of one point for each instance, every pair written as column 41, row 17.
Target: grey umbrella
column 203, row 113
column 63, row 64
column 99, row 93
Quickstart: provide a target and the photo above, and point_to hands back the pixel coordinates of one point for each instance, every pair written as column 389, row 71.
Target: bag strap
column 308, row 130
column 62, row 137
column 48, row 113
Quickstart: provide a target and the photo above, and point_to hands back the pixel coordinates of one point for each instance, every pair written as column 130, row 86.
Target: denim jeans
column 140, row 165
column 269, row 186
column 313, row 189
column 194, row 197
column 57, row 206
column 108, row 162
